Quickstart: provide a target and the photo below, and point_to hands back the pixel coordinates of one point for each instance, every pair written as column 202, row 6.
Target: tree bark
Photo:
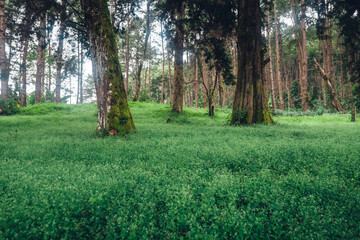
column 40, row 58
column 4, row 66
column 179, row 61
column 23, row 71
column 332, row 92
column 170, row 82
column 127, row 56
column 196, row 84
column 250, row 105
column 114, row 114
column 302, row 53
column 148, row 30
column 163, row 65
column 271, row 74
column 278, row 68
column 59, row 54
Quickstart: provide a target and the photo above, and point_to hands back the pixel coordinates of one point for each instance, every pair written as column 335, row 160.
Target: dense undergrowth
column 183, row 176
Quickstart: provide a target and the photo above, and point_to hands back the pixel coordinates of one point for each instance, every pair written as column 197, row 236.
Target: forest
column 179, row 119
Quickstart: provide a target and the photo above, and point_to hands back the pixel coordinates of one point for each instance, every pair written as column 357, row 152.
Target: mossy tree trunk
column 250, row 104
column 179, row 61
column 114, row 114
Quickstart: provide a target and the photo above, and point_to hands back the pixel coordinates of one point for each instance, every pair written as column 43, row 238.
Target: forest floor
column 194, row 177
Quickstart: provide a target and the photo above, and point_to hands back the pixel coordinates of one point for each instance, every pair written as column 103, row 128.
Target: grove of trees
column 252, row 56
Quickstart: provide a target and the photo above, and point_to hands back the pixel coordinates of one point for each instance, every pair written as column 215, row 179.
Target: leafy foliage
column 9, row 107
column 202, row 179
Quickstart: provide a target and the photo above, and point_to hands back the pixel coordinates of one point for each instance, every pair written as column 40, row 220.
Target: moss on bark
column 114, row 112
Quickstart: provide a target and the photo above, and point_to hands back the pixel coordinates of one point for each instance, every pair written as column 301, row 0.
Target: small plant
column 240, row 117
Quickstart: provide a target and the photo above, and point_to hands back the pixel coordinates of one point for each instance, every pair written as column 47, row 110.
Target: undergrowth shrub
column 43, row 108
column 9, row 107
column 144, row 96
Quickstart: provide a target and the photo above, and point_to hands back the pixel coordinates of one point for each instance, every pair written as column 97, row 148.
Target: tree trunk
column 250, row 105
column 332, row 92
column 127, row 56
column 270, row 58
column 204, row 78
column 302, row 53
column 81, row 74
column 40, row 58
column 278, row 68
column 114, row 114
column 78, row 70
column 170, row 82
column 23, row 70
column 342, row 83
column 59, row 54
column 148, row 30
column 163, row 65
column 4, row 66
column 49, row 65
column 179, row 61
column 196, row 79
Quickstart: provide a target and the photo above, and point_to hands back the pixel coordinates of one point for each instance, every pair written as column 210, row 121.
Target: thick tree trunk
column 332, row 92
column 179, row 61
column 271, row 74
column 4, row 66
column 114, row 114
column 23, row 71
column 59, row 54
column 250, row 105
column 278, row 66
column 40, row 58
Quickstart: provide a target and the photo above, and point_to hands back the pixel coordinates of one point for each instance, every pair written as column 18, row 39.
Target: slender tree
column 278, row 63
column 4, row 66
column 40, row 58
column 271, row 73
column 59, row 53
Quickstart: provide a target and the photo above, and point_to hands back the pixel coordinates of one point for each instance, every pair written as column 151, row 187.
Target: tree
column 271, row 73
column 250, row 104
column 114, row 114
column 278, row 66
column 59, row 53
column 4, row 66
column 302, row 52
column 178, row 94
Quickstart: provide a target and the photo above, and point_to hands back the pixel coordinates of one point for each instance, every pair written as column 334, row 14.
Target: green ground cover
column 194, row 177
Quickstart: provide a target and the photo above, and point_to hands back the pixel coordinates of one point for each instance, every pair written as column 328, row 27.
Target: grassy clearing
column 192, row 178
